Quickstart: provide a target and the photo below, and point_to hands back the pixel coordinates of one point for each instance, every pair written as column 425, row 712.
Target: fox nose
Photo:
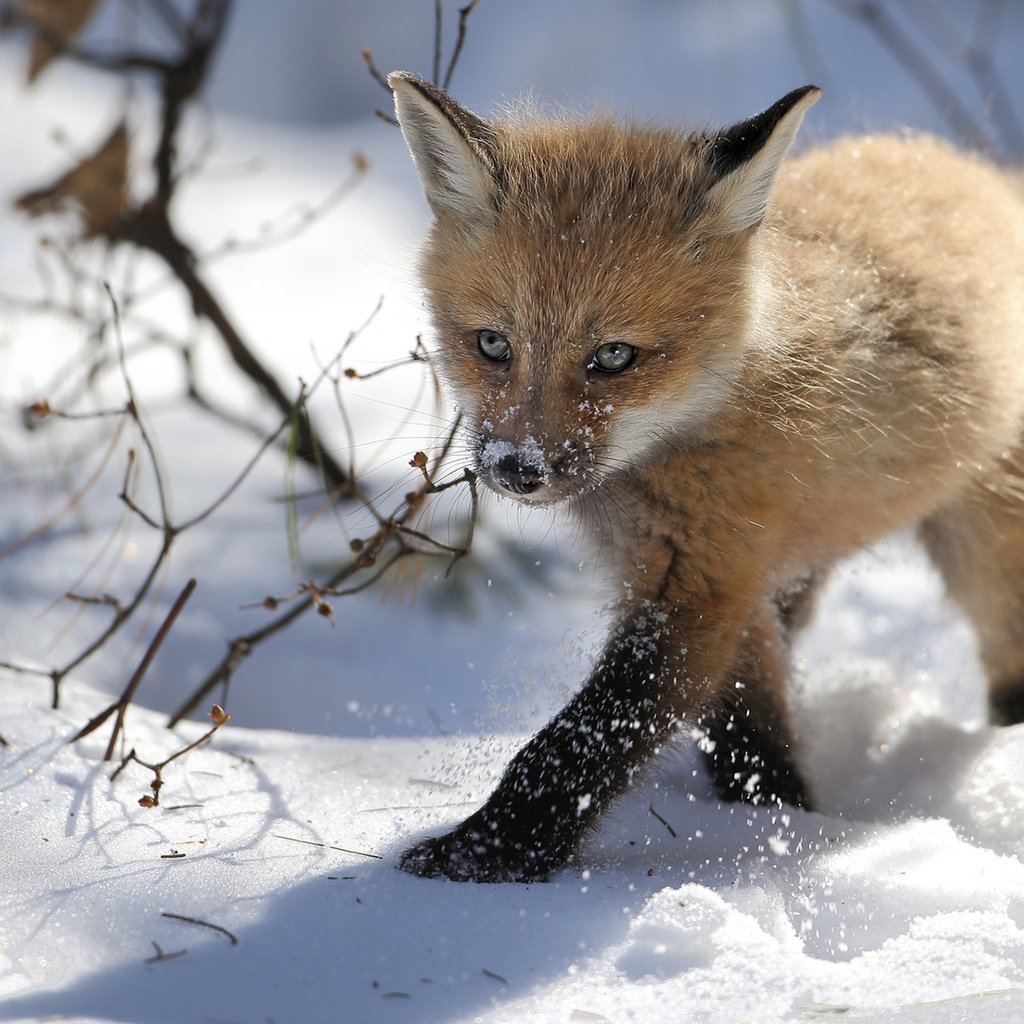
column 516, row 477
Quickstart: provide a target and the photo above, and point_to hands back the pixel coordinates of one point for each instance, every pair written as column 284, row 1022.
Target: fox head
column 594, row 288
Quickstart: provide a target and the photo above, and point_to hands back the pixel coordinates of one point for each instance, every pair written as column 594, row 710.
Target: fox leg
column 748, row 744
column 555, row 787
column 978, row 546
column 552, row 792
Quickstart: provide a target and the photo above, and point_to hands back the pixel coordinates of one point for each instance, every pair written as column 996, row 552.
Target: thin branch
column 379, row 77
column 328, row 846
column 72, row 502
column 268, row 442
column 367, row 555
column 976, row 57
column 122, row 703
column 464, row 13
column 149, row 229
column 310, row 215
column 220, row 718
column 879, row 20
column 160, row 956
column 438, row 55
column 438, row 25
column 146, row 225
column 233, row 939
column 671, row 831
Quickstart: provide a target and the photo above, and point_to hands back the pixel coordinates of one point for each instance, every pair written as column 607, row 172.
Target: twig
column 438, row 25
column 160, row 955
column 464, row 13
column 220, row 718
column 233, row 939
column 121, row 704
column 381, row 80
column 888, row 32
column 168, row 530
column 976, row 57
column 327, row 846
column 438, row 55
column 274, row 236
column 375, row 72
column 72, row 502
column 671, row 831
column 368, row 554
column 145, row 225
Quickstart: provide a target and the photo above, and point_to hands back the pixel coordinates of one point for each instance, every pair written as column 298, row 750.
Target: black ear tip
column 739, row 143
column 779, row 109
column 813, row 91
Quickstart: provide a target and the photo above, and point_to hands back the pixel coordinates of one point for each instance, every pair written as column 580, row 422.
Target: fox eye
column 493, row 346
column 613, row 356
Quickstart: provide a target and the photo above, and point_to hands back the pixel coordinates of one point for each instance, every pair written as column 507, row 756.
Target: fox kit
column 735, row 371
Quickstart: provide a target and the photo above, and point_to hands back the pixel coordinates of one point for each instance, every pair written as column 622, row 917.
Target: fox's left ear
column 452, row 148
column 745, row 160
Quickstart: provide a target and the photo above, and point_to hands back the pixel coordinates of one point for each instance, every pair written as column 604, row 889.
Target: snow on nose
column 519, row 469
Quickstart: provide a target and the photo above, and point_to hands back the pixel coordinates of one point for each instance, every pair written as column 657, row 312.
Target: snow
column 742, row 915
column 901, row 899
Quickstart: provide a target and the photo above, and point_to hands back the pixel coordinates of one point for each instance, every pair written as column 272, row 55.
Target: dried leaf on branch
column 97, row 189
column 58, row 23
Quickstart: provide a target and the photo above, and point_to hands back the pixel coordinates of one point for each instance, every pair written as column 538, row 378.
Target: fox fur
column 735, row 369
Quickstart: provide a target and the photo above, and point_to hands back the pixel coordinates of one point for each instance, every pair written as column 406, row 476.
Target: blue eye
column 613, row 356
column 493, row 346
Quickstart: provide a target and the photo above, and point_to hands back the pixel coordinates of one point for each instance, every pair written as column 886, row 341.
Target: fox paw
column 469, row 855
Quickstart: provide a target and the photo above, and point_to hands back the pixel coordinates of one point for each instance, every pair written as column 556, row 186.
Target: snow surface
column 901, row 900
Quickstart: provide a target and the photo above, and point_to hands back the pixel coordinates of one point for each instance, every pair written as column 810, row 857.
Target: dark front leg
column 749, row 753
column 559, row 783
column 1007, row 705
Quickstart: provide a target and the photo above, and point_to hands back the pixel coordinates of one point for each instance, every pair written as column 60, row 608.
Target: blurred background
column 882, row 65
column 301, row 214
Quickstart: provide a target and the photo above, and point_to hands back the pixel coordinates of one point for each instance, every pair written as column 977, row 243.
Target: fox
column 733, row 368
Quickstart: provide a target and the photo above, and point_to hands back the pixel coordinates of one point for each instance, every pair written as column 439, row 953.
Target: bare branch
column 122, row 703
column 220, row 718
column 464, row 13
column 887, row 30
column 438, row 25
column 204, row 924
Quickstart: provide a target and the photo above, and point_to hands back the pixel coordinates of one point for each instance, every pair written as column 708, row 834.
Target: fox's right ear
column 452, row 148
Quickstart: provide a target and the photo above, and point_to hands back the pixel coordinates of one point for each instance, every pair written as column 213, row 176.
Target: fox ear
column 453, row 149
column 745, row 160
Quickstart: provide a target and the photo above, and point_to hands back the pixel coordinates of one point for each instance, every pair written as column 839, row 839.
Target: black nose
column 515, row 477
